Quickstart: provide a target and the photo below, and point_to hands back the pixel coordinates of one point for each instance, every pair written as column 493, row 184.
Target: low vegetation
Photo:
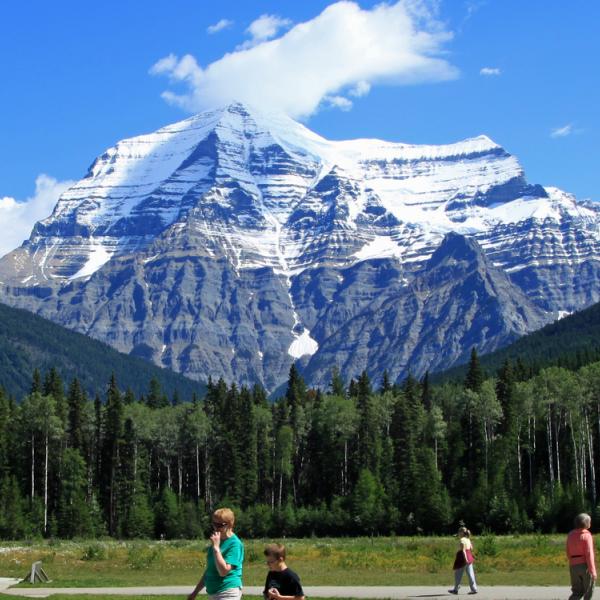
column 500, row 560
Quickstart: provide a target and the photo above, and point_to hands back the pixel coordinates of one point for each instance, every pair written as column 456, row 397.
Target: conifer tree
column 247, row 441
column 155, row 397
column 296, row 404
column 167, row 515
column 369, row 434
column 426, row 392
column 5, row 434
column 407, row 432
column 12, row 519
column 53, row 386
column 111, row 456
column 76, row 402
column 367, row 502
column 386, row 384
column 74, row 518
column 128, row 397
column 36, row 382
column 263, row 418
column 475, row 376
column 283, row 465
column 98, row 439
column 337, row 383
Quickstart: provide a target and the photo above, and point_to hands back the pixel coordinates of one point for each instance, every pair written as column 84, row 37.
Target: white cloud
column 18, row 218
column 362, row 88
column 222, row 24
column 562, row 131
column 344, row 50
column 267, row 27
column 338, row 102
column 490, row 71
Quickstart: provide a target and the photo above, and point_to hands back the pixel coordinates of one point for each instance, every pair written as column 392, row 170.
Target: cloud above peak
column 343, row 51
column 18, row 218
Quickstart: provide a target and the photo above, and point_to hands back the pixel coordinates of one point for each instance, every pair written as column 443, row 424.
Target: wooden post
column 38, row 573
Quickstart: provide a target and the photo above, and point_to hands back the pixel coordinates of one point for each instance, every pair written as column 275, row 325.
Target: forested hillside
column 27, row 340
column 505, row 454
column 571, row 342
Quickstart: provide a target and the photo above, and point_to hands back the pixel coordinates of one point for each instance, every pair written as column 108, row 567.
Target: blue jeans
column 458, row 573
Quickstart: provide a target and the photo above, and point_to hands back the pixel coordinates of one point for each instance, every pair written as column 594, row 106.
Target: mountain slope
column 28, row 341
column 456, row 302
column 235, row 242
column 572, row 341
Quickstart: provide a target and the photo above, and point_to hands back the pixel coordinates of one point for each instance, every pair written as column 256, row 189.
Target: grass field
column 506, row 560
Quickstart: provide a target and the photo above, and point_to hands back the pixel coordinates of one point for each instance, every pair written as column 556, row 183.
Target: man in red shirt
column 582, row 565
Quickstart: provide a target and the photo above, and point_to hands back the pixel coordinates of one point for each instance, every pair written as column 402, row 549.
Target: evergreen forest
column 514, row 452
column 27, row 339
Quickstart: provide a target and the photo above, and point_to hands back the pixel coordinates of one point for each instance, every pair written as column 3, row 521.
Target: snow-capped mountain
column 234, row 242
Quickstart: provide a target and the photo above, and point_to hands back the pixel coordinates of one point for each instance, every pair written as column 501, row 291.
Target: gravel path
column 500, row 592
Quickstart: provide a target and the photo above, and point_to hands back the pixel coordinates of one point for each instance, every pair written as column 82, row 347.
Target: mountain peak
column 232, row 241
column 456, row 248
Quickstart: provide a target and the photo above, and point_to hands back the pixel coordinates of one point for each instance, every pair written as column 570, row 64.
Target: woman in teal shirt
column 224, row 558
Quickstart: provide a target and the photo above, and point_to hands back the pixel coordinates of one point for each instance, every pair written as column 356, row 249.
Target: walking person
column 282, row 583
column 464, row 561
column 582, row 563
column 224, row 557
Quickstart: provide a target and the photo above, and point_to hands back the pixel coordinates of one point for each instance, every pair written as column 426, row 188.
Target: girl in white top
column 464, row 561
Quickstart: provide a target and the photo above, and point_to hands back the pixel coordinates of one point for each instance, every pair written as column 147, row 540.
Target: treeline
column 509, row 453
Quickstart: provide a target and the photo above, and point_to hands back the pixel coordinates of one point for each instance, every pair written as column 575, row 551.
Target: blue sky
column 76, row 77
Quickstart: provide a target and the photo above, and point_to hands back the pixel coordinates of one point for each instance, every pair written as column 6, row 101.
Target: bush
column 142, row 556
column 94, row 552
column 487, row 546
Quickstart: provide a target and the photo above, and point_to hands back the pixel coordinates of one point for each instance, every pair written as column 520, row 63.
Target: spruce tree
column 76, row 402
column 13, row 524
column 247, row 442
column 111, row 457
column 129, row 397
column 5, row 434
column 155, row 397
column 369, row 433
column 74, row 518
column 386, row 384
column 167, row 515
column 475, row 375
column 53, row 386
column 337, row 383
column 36, row 382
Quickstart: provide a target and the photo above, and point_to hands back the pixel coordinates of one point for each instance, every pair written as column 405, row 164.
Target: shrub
column 94, row 552
column 142, row 556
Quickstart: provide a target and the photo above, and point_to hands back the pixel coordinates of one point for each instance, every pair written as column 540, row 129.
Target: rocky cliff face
column 234, row 242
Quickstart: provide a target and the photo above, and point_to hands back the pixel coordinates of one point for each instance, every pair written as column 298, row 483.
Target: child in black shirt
column 281, row 583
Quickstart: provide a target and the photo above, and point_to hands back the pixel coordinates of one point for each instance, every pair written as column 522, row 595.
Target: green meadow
column 500, row 560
